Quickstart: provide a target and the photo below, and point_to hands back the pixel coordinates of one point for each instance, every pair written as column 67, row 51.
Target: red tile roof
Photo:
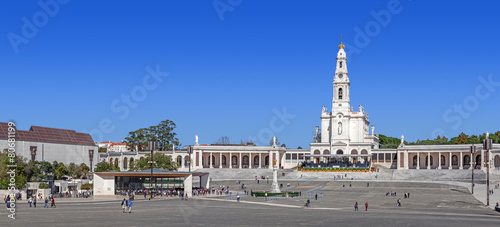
column 49, row 135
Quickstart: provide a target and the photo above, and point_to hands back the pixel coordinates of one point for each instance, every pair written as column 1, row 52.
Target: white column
column 418, row 160
column 481, row 161
column 428, row 160
column 449, row 162
column 270, row 159
column 439, row 159
column 250, row 161
column 406, row 159
column 210, row 160
column 461, row 161
column 230, row 160
column 220, row 160
column 260, row 160
column 240, row 160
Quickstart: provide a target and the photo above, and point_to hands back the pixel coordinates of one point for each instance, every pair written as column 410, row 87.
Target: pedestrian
column 343, row 185
column 308, row 202
column 130, row 206
column 46, row 203
column 367, row 184
column 124, row 205
column 366, row 206
column 30, row 200
column 356, row 206
column 237, row 197
column 53, row 204
column 316, row 196
column 34, row 201
column 350, row 185
column 399, row 202
column 408, row 195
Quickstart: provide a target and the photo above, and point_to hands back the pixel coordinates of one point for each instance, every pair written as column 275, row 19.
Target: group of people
column 356, row 206
column 127, row 205
column 32, row 200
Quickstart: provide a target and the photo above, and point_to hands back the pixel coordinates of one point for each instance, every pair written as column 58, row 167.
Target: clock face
column 341, row 75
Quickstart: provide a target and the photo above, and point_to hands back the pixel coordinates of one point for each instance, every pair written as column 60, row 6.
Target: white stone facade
column 343, row 131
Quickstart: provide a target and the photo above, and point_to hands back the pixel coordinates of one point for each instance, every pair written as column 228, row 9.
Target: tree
column 72, row 170
column 60, row 172
column 82, row 170
column 162, row 133
column 223, row 140
column 161, row 161
column 283, row 145
column 102, row 150
column 299, row 147
column 87, row 186
column 20, row 174
column 462, row 138
column 43, row 185
column 106, row 166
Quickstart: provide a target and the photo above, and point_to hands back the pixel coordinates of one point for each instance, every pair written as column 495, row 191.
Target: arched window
column 443, row 160
column 466, row 160
column 340, row 128
column 454, row 160
column 415, row 160
column 256, row 160
column 340, row 93
column 125, row 163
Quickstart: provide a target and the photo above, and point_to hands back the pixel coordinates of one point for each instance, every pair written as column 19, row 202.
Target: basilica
column 344, row 138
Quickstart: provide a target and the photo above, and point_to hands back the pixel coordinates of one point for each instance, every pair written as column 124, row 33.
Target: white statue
column 196, row 139
column 323, row 109
column 402, row 139
column 274, row 140
column 487, row 135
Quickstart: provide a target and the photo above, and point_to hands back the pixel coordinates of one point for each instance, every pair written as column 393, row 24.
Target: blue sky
column 234, row 69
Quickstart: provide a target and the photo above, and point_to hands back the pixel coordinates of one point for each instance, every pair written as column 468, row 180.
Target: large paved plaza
column 430, row 204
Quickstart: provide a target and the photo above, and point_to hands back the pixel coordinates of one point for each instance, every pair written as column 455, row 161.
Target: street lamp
column 472, row 151
column 487, row 146
column 152, row 146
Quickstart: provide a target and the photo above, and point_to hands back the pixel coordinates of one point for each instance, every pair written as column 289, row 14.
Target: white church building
column 345, row 139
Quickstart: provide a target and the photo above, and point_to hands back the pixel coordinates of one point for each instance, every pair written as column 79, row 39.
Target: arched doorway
column 466, row 161
column 354, row 152
column 186, row 161
column 256, row 160
column 497, row 161
column 454, row 160
column 245, row 161
column 365, row 158
column 179, row 160
column 224, row 160
column 478, row 161
column 213, row 160
column 266, row 161
column 415, row 161
column 234, row 161
column 125, row 163
column 443, row 161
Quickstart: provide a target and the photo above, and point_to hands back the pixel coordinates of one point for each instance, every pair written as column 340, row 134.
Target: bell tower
column 341, row 83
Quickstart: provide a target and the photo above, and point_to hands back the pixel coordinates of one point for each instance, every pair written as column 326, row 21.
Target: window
column 294, row 156
column 300, row 156
column 340, row 128
column 340, row 93
column 340, row 64
column 288, row 157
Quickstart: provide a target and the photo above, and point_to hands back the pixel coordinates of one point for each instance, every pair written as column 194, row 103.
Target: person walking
column 46, row 203
column 366, row 206
column 34, row 201
column 130, row 204
column 356, row 206
column 53, row 204
column 30, row 200
column 124, row 205
column 316, row 196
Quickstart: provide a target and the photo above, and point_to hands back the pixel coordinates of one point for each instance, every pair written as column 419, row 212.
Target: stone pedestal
column 275, row 188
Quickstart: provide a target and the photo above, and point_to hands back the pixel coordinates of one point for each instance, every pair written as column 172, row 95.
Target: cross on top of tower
column 341, row 46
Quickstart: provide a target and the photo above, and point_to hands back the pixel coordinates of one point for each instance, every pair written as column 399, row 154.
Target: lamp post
column 152, row 146
column 487, row 142
column 472, row 151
